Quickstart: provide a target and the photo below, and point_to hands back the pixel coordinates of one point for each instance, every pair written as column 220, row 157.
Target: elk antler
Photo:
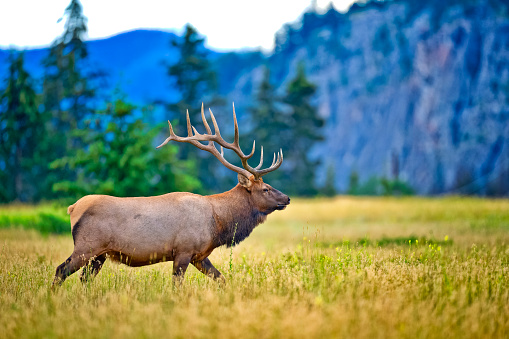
column 195, row 138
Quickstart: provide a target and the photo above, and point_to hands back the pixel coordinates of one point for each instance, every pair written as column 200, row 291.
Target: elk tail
column 70, row 209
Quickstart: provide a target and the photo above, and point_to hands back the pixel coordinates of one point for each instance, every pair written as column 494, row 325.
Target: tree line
column 62, row 136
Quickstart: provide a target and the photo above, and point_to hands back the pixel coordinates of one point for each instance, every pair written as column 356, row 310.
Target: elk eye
column 265, row 190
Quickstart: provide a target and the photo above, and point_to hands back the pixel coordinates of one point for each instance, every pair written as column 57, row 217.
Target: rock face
column 418, row 90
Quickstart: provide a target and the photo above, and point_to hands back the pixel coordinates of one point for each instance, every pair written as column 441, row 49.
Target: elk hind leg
column 92, row 268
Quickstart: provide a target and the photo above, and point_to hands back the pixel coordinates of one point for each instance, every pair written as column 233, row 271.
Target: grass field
column 343, row 267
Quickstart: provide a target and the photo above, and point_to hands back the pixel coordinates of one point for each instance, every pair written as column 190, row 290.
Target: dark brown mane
column 237, row 230
column 235, row 222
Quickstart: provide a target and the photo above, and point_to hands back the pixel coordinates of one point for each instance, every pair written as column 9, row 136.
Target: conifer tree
column 120, row 158
column 292, row 123
column 195, row 81
column 269, row 125
column 305, row 125
column 22, row 134
column 67, row 91
column 328, row 189
column 192, row 74
column 267, row 118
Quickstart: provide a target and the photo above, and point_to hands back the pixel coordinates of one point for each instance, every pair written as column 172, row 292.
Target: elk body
column 181, row 227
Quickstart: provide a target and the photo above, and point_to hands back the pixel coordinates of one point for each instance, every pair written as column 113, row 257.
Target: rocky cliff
column 417, row 90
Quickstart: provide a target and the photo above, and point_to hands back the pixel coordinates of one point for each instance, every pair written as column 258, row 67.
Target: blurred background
column 369, row 98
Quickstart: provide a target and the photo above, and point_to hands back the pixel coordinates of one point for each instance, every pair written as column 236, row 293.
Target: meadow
column 340, row 267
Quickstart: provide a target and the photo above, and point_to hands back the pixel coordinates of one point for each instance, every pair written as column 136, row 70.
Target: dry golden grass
column 338, row 267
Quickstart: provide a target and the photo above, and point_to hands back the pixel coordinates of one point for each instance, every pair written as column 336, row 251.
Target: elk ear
column 245, row 181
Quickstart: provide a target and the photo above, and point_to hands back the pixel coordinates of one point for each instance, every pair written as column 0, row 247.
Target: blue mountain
column 134, row 61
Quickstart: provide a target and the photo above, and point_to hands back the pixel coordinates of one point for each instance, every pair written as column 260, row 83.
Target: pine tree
column 267, row 118
column 328, row 189
column 305, row 125
column 120, row 158
column 67, row 91
column 22, row 134
column 196, row 82
column 192, row 74
column 269, row 125
column 292, row 123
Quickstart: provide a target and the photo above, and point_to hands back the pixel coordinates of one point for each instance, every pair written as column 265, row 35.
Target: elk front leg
column 206, row 267
column 68, row 267
column 180, row 264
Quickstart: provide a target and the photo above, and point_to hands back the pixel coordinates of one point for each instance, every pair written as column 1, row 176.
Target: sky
column 227, row 24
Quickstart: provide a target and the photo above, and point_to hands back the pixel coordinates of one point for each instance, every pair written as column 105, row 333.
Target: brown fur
column 237, row 219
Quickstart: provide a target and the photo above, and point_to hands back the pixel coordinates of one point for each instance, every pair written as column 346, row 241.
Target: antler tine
column 276, row 159
column 214, row 122
column 170, row 137
column 279, row 160
column 261, row 160
column 275, row 165
column 189, row 129
column 236, row 135
column 236, row 126
column 207, row 127
column 172, row 133
column 205, row 123
column 252, row 151
column 195, row 131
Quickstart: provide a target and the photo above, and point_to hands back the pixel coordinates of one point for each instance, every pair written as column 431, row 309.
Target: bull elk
column 180, row 227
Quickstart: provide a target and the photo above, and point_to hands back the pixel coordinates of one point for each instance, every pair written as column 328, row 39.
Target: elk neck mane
column 235, row 216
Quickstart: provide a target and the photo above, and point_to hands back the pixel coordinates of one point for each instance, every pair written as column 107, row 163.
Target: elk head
column 265, row 197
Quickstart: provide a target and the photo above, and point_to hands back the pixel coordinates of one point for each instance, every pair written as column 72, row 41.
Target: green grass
column 385, row 241
column 44, row 218
column 343, row 267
